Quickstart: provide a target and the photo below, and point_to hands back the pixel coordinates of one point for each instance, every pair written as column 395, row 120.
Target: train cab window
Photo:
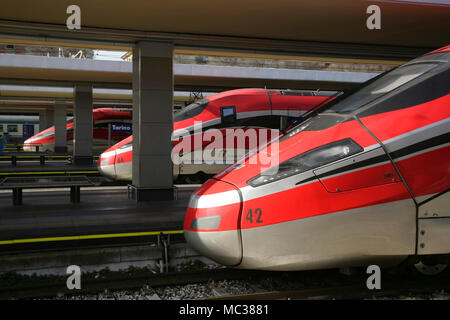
column 127, row 145
column 270, row 122
column 286, row 122
column 192, row 110
column 228, row 114
column 382, row 85
column 46, row 134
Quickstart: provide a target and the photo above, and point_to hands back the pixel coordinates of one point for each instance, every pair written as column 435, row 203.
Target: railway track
column 394, row 289
column 52, row 287
column 266, row 285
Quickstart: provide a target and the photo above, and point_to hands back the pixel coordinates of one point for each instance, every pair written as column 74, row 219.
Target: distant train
column 364, row 180
column 110, row 126
column 246, row 109
column 19, row 127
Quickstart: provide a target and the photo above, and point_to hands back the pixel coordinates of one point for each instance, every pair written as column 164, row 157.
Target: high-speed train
column 364, row 180
column 110, row 125
column 248, row 109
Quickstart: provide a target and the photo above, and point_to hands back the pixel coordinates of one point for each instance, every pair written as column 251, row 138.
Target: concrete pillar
column 152, row 121
column 46, row 119
column 50, row 117
column 83, row 124
column 60, row 115
column 42, row 120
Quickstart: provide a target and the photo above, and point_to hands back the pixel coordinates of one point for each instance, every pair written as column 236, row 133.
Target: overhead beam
column 210, row 51
column 113, row 39
column 47, row 94
column 52, row 71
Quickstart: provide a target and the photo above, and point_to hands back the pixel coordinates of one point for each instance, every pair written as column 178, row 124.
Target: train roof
column 256, row 91
column 111, row 113
column 443, row 49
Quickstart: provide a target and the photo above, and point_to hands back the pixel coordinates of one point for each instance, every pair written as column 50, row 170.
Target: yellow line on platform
column 92, row 236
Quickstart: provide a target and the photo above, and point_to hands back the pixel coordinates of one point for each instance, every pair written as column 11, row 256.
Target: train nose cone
column 106, row 164
column 211, row 225
column 26, row 147
column 29, row 146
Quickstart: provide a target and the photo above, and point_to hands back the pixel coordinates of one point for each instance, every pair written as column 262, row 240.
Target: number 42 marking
column 257, row 213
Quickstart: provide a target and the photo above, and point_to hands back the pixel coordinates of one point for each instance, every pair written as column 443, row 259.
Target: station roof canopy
column 333, row 28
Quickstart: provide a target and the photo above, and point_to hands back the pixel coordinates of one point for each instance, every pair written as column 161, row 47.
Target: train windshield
column 339, row 109
column 381, row 86
column 192, row 110
column 46, row 134
column 127, row 145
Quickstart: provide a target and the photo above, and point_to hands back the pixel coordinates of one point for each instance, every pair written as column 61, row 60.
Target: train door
column 27, row 131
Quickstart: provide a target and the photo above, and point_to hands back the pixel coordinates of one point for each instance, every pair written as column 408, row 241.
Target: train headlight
column 103, row 162
column 309, row 160
column 206, row 223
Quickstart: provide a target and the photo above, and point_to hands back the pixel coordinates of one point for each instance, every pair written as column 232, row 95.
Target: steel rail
column 394, row 289
column 50, row 288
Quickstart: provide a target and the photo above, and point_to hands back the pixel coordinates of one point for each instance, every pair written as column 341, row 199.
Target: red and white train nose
column 106, row 164
column 211, row 225
column 115, row 163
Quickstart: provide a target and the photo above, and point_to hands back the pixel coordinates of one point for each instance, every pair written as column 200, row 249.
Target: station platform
column 105, row 216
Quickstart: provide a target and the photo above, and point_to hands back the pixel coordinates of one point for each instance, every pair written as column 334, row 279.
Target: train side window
column 228, row 114
column 12, row 128
column 1, row 128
